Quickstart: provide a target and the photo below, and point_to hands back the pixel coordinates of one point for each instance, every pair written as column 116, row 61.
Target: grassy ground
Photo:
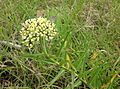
column 84, row 55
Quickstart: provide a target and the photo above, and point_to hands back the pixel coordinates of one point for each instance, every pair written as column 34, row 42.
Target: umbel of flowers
column 33, row 29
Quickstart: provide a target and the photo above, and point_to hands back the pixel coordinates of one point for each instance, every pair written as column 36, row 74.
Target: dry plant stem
column 10, row 44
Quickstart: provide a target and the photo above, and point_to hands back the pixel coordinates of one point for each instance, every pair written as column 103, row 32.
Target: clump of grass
column 83, row 55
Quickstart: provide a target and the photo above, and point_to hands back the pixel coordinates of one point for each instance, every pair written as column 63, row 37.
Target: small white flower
column 35, row 28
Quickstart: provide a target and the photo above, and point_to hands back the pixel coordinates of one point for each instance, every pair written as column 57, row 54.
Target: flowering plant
column 33, row 29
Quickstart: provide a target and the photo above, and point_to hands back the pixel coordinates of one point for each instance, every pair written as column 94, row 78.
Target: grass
column 84, row 55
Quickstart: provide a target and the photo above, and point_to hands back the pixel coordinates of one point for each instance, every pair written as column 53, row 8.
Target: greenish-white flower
column 33, row 29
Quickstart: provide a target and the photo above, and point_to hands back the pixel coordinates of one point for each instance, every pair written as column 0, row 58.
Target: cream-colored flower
column 35, row 28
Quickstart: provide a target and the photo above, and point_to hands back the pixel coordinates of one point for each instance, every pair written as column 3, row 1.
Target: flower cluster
column 33, row 29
